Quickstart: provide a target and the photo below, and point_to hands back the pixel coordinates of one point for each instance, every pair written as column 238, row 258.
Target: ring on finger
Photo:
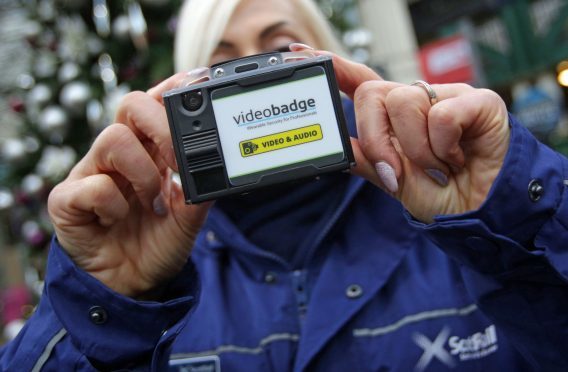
column 429, row 90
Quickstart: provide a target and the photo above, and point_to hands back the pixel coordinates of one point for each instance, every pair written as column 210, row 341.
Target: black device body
column 197, row 137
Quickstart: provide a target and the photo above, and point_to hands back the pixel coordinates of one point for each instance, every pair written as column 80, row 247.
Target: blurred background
column 65, row 65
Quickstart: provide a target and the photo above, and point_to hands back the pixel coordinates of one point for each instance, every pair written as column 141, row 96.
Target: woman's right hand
column 118, row 214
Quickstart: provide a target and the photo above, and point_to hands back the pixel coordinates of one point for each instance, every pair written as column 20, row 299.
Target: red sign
column 448, row 60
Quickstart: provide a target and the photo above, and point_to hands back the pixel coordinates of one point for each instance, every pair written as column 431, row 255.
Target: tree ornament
column 138, row 26
column 46, row 10
column 95, row 116
column 74, row 96
column 13, row 151
column 53, row 123
column 32, row 233
column 39, row 96
column 101, row 17
column 16, row 104
column 32, row 144
column 25, row 81
column 95, row 45
column 32, row 185
column 55, row 162
column 113, row 98
column 6, row 199
column 67, row 72
column 121, row 27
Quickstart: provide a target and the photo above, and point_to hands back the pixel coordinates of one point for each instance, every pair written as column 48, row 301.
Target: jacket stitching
column 241, row 349
column 44, row 357
column 414, row 318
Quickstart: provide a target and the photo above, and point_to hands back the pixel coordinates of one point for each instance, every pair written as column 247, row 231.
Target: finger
column 86, row 199
column 148, row 120
column 349, row 74
column 176, row 81
column 374, row 130
column 458, row 120
column 118, row 150
column 408, row 108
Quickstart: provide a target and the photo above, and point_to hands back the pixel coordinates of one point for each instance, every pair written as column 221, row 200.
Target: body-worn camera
column 257, row 121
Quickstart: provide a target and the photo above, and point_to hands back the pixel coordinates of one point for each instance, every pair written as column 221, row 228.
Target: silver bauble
column 67, row 72
column 121, row 27
column 95, row 116
column 55, row 162
column 13, row 150
column 74, row 96
column 32, row 144
column 6, row 199
column 25, row 81
column 39, row 96
column 53, row 123
column 32, row 184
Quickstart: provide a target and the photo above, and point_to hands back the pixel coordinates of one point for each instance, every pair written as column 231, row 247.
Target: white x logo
column 433, row 349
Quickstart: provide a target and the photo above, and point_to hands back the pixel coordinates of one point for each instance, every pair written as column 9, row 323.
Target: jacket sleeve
column 80, row 324
column 514, row 250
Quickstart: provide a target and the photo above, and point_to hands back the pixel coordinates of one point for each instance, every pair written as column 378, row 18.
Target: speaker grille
column 202, row 150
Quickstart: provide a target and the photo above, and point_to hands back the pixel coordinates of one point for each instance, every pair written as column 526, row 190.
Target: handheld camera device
column 257, row 121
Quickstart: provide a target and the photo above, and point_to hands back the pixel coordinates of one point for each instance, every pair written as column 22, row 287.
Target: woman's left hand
column 436, row 157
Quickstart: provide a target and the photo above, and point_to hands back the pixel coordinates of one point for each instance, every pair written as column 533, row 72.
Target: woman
column 453, row 265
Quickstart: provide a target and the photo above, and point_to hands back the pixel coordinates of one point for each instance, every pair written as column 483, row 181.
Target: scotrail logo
column 274, row 111
column 475, row 346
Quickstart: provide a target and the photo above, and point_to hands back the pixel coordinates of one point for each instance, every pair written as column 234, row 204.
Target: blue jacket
column 482, row 291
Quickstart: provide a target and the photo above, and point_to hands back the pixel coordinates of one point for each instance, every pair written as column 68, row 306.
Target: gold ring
column 429, row 90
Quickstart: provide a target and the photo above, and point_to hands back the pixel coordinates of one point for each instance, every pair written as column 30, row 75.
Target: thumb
column 187, row 218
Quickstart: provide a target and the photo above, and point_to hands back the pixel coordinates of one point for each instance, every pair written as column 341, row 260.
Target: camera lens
column 192, row 101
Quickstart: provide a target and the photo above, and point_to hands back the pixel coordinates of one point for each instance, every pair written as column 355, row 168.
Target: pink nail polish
column 159, row 205
column 295, row 47
column 438, row 176
column 194, row 76
column 387, row 175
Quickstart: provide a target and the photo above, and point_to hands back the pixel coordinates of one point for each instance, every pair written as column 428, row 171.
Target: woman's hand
column 439, row 158
column 118, row 215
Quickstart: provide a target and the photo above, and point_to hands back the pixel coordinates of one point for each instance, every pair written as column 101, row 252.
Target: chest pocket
column 209, row 363
column 273, row 353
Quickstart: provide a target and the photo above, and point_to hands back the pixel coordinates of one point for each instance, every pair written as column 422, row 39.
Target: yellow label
column 281, row 140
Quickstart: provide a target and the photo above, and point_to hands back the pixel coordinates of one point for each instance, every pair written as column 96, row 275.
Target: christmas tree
column 65, row 66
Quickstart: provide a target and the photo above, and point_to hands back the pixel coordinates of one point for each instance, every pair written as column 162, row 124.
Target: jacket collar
column 221, row 233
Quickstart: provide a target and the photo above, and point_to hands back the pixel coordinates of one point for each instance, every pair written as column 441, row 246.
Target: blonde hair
column 201, row 25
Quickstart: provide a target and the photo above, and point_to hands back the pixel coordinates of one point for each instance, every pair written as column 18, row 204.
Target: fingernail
column 172, row 156
column 294, row 47
column 197, row 71
column 438, row 176
column 194, row 75
column 168, row 182
column 176, row 185
column 387, row 175
column 159, row 205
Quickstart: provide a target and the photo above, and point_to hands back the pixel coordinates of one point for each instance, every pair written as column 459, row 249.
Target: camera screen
column 278, row 125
